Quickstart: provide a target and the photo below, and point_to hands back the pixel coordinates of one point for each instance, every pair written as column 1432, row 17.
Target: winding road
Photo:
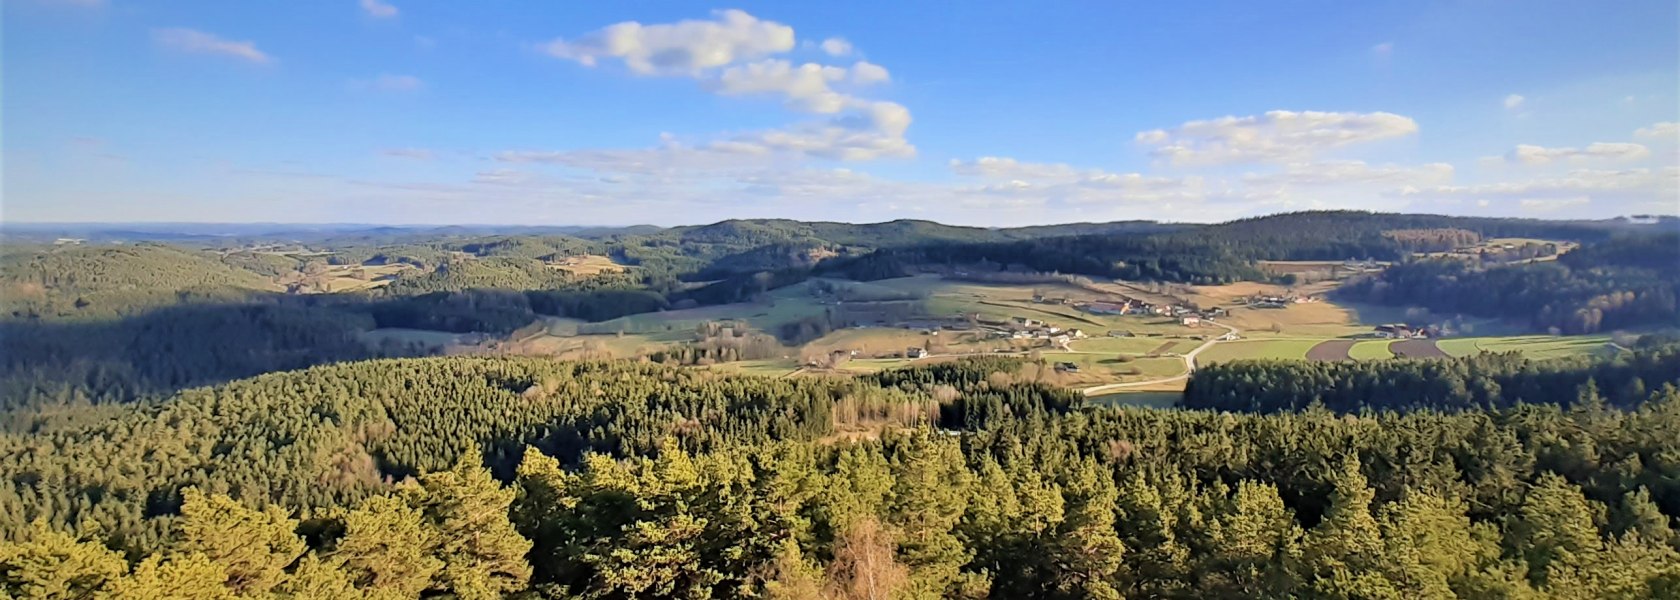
column 1189, row 367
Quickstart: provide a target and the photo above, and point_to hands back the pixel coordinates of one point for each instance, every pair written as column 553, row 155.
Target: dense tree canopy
column 1629, row 281
column 1480, row 381
column 621, row 480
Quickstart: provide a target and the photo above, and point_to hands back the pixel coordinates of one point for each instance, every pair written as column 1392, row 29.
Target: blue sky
column 407, row 112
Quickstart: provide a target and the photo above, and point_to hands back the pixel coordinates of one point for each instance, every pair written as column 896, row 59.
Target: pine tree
column 255, row 547
column 178, row 576
column 483, row 556
column 51, row 564
column 1255, row 542
column 1088, row 553
column 388, row 548
column 1344, row 552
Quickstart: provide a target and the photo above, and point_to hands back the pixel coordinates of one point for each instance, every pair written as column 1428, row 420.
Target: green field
column 1531, row 346
column 775, row 367
column 1104, row 365
column 1133, row 345
column 1371, row 350
column 1287, row 349
column 1140, row 399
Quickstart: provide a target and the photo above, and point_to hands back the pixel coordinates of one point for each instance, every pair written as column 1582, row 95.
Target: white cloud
column 1383, row 50
column 1514, row 102
column 1015, row 182
column 873, row 132
column 1543, row 205
column 729, row 56
column 805, row 87
column 868, row 73
column 198, row 42
column 995, row 167
column 837, row 46
column 1666, row 130
column 1352, row 172
column 1278, row 135
column 378, row 10
column 684, row 47
column 1631, row 185
column 1613, row 151
column 390, row 83
column 414, row 153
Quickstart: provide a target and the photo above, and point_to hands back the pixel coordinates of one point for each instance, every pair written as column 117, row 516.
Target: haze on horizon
column 394, row 112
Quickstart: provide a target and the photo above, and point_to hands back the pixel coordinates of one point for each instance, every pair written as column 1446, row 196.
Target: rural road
column 1189, row 367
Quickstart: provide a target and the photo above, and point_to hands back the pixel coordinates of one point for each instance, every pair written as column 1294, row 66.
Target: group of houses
column 1275, row 301
column 1400, row 331
column 1188, row 316
column 1027, row 328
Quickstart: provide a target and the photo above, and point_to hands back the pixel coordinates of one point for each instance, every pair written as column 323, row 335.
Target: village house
column 1105, row 308
column 1400, row 331
column 915, row 352
column 1190, row 321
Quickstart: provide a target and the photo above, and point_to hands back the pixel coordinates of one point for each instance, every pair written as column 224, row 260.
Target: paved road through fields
column 1189, row 367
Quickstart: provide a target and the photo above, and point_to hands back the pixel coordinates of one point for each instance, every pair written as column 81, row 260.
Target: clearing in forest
column 587, row 264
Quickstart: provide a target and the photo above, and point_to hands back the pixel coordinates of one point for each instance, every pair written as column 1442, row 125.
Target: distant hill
column 101, row 281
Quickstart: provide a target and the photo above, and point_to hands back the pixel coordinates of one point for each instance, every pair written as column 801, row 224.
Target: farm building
column 1190, row 320
column 915, row 352
column 1067, row 367
column 1105, row 308
column 1400, row 331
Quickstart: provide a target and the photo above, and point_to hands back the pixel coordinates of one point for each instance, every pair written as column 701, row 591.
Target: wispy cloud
column 378, row 10
column 1279, row 135
column 192, row 41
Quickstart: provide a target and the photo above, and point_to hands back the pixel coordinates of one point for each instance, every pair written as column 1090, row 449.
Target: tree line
column 485, row 476
column 1627, row 281
column 1484, row 380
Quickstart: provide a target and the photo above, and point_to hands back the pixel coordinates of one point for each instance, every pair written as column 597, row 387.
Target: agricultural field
column 588, row 264
column 1278, row 348
column 343, row 278
column 1371, row 350
column 774, row 367
column 1322, row 318
column 1142, row 399
column 1531, row 346
column 1134, row 345
column 1097, row 369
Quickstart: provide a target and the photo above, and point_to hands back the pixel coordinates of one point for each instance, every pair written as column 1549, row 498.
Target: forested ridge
column 483, row 476
column 1484, row 380
column 1626, row 281
column 1221, row 253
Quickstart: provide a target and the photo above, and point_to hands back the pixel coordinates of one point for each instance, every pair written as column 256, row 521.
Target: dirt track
column 1330, row 350
column 1417, row 349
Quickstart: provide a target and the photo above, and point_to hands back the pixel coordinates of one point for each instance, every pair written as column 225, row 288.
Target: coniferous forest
column 479, row 477
column 174, row 424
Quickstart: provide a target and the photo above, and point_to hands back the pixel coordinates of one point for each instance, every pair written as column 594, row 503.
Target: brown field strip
column 1165, row 346
column 1417, row 349
column 1331, row 350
